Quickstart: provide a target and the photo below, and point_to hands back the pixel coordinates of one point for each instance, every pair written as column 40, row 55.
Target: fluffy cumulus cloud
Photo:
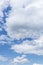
column 29, row 47
column 25, row 19
column 20, row 60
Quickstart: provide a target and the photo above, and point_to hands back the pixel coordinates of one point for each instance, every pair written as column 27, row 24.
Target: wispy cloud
column 4, row 39
column 28, row 47
column 20, row 60
column 37, row 64
column 3, row 59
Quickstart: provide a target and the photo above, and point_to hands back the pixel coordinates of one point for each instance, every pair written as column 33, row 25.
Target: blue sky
column 21, row 32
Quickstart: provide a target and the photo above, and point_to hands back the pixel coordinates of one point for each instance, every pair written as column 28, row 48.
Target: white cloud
column 19, row 3
column 36, row 64
column 25, row 19
column 4, row 39
column 3, row 5
column 20, row 60
column 3, row 59
column 39, row 41
column 28, row 47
